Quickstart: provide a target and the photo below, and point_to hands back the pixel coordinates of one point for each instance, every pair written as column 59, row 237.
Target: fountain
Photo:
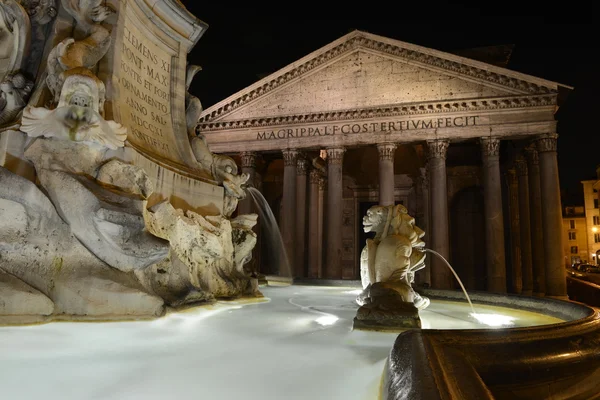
column 277, row 252
column 103, row 218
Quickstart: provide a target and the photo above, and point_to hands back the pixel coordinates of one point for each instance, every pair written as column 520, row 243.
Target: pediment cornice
column 410, row 109
column 512, row 81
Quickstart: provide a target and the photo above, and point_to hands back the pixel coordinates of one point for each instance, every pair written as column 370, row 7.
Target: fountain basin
column 298, row 342
column 559, row 360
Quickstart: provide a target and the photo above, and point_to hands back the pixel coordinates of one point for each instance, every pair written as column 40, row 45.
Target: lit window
column 572, row 236
column 574, row 250
column 572, row 222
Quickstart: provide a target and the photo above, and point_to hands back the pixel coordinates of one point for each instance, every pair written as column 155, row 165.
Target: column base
column 564, row 298
column 526, row 292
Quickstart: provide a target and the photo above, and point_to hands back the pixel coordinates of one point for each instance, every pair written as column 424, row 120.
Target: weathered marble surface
column 389, row 262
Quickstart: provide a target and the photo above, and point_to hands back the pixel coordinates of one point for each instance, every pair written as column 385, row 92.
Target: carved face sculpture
column 404, row 225
column 375, row 219
column 77, row 116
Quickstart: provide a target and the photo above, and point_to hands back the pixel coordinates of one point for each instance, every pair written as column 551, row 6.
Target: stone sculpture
column 206, row 259
column 193, row 106
column 224, row 170
column 71, row 53
column 79, row 242
column 389, row 262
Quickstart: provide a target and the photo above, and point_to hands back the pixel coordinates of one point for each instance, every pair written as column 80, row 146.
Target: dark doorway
column 467, row 238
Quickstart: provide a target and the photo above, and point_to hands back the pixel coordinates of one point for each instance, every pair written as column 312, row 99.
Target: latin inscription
column 367, row 127
column 145, row 86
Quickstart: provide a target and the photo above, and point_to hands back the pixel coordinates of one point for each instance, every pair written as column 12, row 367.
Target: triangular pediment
column 362, row 71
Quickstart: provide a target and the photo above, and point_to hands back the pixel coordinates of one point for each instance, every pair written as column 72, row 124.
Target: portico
column 372, row 120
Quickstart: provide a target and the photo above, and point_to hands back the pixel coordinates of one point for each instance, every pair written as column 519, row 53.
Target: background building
column 581, row 227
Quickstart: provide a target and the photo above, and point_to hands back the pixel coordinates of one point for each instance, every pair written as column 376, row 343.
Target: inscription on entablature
column 367, row 127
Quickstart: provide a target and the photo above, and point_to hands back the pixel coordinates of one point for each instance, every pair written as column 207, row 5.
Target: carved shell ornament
column 77, row 116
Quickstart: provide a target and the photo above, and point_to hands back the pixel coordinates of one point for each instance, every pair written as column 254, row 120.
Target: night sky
column 245, row 43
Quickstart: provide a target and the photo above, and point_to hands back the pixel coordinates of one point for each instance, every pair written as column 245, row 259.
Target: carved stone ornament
column 71, row 53
column 437, row 148
column 490, row 146
column 335, row 155
column 290, row 157
column 388, row 264
column 15, row 37
column 547, row 142
column 531, row 154
column 386, row 151
column 314, row 177
column 302, row 166
column 521, row 165
column 193, row 106
column 248, row 159
column 14, row 92
column 77, row 116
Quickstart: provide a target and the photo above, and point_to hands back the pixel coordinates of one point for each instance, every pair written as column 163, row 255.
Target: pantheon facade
column 469, row 148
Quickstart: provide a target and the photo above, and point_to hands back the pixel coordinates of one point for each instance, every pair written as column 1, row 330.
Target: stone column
column 525, row 226
column 386, row 173
column 288, row 214
column 441, row 276
column 321, row 226
column 556, row 281
column 515, row 232
column 494, row 222
column 423, row 277
column 300, row 244
column 333, row 242
column 313, row 225
column 249, row 167
column 537, row 233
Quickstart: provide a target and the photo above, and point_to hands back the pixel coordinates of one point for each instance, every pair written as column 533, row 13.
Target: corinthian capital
column 248, row 159
column 547, row 142
column 302, row 166
column 437, row 148
column 335, row 155
column 386, row 151
column 490, row 146
column 290, row 157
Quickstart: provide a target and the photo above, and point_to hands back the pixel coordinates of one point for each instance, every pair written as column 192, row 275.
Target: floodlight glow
column 494, row 319
column 357, row 292
column 326, row 320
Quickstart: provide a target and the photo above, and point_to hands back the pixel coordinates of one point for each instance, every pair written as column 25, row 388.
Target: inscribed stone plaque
column 144, row 83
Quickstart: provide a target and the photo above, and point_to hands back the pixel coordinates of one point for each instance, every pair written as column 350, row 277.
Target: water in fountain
column 497, row 320
column 269, row 223
column 455, row 275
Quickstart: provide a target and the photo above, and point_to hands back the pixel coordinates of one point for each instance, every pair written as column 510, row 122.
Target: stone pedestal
column 524, row 226
column 537, row 233
column 288, row 214
column 333, row 266
column 494, row 222
column 386, row 173
column 313, row 225
column 441, row 276
column 300, row 245
column 556, row 283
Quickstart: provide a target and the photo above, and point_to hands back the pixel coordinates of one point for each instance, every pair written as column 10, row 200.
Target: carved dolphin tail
column 191, row 71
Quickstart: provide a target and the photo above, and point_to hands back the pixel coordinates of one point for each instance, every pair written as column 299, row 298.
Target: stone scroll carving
column 388, row 263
